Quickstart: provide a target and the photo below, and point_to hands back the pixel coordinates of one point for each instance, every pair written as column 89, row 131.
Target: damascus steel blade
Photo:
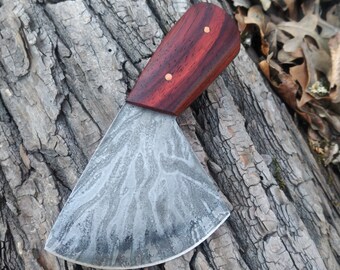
column 143, row 199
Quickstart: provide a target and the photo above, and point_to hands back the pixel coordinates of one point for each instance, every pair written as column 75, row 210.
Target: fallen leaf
column 320, row 60
column 266, row 4
column 331, row 152
column 289, row 57
column 300, row 74
column 285, row 57
column 312, row 74
column 313, row 60
column 265, row 47
column 239, row 17
column 313, row 136
column 295, row 37
column 333, row 15
column 316, row 142
column 282, row 82
column 242, row 3
column 264, row 66
column 305, row 27
column 270, row 37
column 291, row 5
column 256, row 16
column 287, row 89
column 332, row 118
column 316, row 122
column 336, row 160
column 310, row 7
column 327, row 30
column 334, row 47
column 280, row 4
column 293, row 44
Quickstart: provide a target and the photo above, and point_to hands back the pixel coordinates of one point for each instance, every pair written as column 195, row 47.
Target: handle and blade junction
column 144, row 198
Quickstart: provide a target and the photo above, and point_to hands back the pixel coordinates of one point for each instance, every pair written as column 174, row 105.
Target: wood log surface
column 66, row 68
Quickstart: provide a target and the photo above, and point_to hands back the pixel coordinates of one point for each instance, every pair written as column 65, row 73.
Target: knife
column 144, row 198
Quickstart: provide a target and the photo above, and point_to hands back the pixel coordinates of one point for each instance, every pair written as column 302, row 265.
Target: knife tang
column 196, row 50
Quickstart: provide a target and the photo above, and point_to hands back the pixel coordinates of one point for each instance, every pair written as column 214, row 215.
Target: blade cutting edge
column 143, row 199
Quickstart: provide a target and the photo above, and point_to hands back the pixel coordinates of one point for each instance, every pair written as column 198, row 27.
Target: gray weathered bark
column 65, row 69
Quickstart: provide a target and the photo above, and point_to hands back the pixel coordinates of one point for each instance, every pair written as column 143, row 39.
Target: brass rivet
column 206, row 29
column 168, row 76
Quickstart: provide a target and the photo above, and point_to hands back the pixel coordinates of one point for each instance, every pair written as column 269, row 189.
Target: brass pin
column 168, row 76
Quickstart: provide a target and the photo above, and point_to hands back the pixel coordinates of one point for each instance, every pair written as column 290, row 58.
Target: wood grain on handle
column 196, row 50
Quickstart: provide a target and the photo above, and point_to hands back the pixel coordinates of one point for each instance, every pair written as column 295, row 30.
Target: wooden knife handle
column 196, row 50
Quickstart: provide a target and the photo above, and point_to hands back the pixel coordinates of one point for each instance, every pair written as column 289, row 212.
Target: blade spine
column 144, row 265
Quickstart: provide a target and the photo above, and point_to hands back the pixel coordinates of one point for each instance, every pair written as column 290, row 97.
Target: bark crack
column 158, row 18
column 129, row 57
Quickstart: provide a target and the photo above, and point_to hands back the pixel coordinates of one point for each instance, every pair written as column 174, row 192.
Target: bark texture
column 65, row 70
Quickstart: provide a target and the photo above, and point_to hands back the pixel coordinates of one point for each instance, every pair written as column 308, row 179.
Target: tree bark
column 65, row 70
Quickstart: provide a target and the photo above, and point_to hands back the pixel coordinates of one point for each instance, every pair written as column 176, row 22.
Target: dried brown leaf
column 256, row 16
column 287, row 58
column 265, row 4
column 293, row 12
column 334, row 47
column 282, row 82
column 287, row 89
column 320, row 59
column 315, row 60
column 310, row 7
column 305, row 98
column 327, row 30
column 239, row 17
column 333, row 15
column 315, row 122
column 280, row 4
column 293, row 44
column 313, row 136
column 286, row 43
column 300, row 74
column 310, row 66
column 305, row 27
column 331, row 153
column 301, row 44
column 332, row 118
column 242, row 3
column 336, row 160
column 264, row 66
column 270, row 37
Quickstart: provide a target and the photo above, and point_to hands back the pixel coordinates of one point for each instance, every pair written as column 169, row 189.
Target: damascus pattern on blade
column 143, row 199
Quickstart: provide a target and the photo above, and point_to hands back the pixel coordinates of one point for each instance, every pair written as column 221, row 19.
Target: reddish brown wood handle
column 196, row 50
